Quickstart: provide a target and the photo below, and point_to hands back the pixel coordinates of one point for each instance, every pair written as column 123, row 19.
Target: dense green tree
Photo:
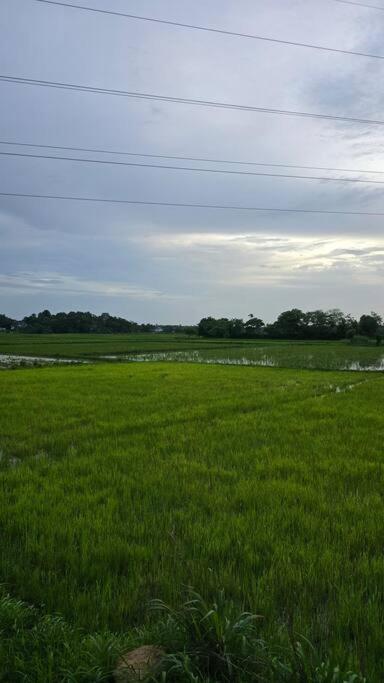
column 254, row 327
column 236, row 328
column 333, row 324
column 379, row 335
column 291, row 324
column 369, row 324
column 214, row 327
column 6, row 323
column 77, row 321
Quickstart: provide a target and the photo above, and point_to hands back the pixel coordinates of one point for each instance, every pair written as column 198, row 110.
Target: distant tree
column 347, row 327
column 333, row 324
column 6, row 323
column 369, row 324
column 379, row 335
column 191, row 330
column 236, row 328
column 78, row 321
column 39, row 324
column 317, row 325
column 254, row 327
column 205, row 326
column 214, row 327
column 290, row 324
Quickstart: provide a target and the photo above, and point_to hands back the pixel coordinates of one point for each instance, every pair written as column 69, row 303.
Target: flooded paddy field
column 8, row 361
column 47, row 349
column 312, row 357
column 94, row 345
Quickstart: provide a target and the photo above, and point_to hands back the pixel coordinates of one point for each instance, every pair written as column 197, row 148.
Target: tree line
column 80, row 321
column 292, row 324
column 296, row 324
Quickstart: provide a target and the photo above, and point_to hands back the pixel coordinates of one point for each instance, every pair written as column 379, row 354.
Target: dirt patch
column 139, row 664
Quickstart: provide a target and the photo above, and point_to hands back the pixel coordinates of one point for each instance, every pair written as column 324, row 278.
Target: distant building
column 158, row 329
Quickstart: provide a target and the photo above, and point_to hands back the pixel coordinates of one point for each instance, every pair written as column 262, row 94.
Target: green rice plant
column 96, row 345
column 214, row 642
column 326, row 355
column 301, row 663
column 39, row 648
column 120, row 482
column 205, row 643
column 218, row 642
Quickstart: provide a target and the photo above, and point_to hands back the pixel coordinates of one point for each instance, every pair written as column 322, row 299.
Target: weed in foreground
column 216, row 643
column 205, row 644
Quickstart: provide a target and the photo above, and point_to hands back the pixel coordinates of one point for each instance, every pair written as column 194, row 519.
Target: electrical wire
column 195, row 27
column 188, row 101
column 187, row 158
column 351, row 2
column 223, row 207
column 170, row 167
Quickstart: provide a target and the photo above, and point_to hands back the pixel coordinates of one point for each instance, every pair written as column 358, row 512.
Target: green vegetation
column 216, row 643
column 338, row 355
column 321, row 356
column 296, row 324
column 91, row 346
column 292, row 324
column 40, row 648
column 203, row 643
column 123, row 482
column 75, row 322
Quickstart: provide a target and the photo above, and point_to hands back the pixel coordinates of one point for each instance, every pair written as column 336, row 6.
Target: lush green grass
column 123, row 482
column 92, row 345
column 201, row 642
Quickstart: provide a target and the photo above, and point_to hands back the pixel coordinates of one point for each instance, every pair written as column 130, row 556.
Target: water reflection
column 309, row 361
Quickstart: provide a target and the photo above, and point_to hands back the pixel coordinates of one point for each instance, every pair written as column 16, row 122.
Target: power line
column 170, row 167
column 187, row 158
column 224, row 207
column 208, row 29
column 184, row 100
column 344, row 2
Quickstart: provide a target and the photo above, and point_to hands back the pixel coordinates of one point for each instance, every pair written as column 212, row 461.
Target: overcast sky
column 166, row 264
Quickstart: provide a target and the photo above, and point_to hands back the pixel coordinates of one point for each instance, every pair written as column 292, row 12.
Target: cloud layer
column 170, row 264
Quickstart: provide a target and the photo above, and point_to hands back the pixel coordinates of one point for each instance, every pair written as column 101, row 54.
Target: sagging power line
column 231, row 162
column 209, row 29
column 169, row 167
column 221, row 207
column 359, row 4
column 186, row 101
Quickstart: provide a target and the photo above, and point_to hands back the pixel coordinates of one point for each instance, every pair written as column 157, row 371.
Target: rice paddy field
column 91, row 346
column 124, row 481
column 340, row 355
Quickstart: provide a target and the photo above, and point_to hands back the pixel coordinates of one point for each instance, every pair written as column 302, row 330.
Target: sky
column 174, row 264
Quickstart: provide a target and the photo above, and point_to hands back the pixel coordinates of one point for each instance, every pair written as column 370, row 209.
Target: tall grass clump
column 214, row 642
column 204, row 643
column 40, row 648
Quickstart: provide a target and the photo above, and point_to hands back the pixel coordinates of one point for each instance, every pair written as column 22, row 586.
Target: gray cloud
column 174, row 264
column 59, row 283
